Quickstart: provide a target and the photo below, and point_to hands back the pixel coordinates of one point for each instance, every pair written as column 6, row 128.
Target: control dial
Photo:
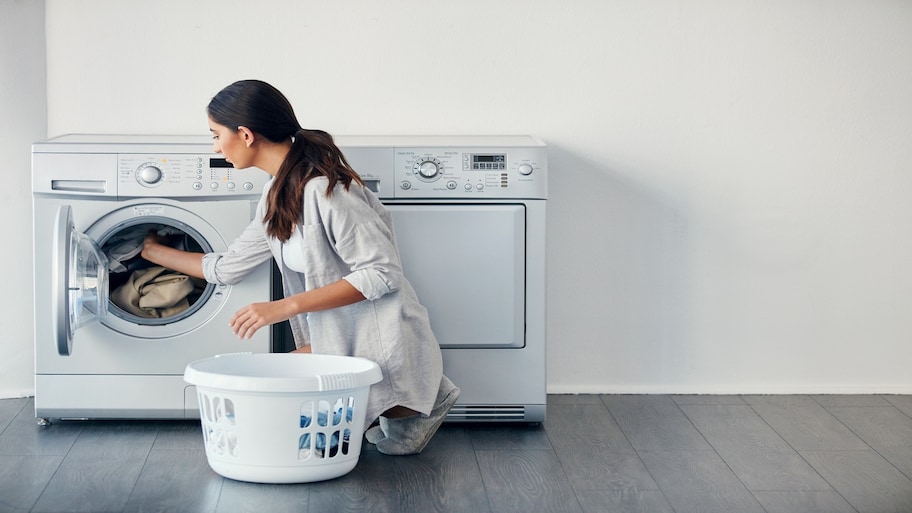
column 428, row 169
column 149, row 174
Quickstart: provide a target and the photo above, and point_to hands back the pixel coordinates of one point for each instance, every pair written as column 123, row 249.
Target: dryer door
column 467, row 263
column 79, row 278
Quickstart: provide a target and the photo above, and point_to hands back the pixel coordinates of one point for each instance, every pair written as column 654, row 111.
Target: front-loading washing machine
column 113, row 334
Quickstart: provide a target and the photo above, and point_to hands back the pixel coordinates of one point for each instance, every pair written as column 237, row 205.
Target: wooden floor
column 595, row 453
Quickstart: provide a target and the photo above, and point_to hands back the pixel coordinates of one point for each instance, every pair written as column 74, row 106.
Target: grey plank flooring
column 593, row 454
column 753, row 450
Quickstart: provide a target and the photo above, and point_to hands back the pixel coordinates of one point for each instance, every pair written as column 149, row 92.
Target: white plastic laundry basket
column 282, row 417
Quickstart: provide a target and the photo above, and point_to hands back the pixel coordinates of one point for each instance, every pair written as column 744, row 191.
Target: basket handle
column 340, row 381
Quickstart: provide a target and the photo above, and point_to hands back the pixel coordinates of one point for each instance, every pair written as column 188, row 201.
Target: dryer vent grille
column 487, row 412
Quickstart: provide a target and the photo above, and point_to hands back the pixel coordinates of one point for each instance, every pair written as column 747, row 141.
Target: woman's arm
column 249, row 319
column 184, row 262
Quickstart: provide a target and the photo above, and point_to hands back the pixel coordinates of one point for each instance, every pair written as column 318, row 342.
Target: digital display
column 220, row 163
column 492, row 162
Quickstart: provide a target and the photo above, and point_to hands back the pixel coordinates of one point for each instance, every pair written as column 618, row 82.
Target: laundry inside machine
column 146, row 293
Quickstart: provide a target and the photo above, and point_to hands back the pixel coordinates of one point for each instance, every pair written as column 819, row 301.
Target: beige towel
column 155, row 292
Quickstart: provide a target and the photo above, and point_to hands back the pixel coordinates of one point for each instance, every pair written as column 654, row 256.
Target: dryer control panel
column 469, row 173
column 457, row 167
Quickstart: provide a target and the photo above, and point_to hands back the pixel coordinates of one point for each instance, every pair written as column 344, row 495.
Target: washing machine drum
column 142, row 293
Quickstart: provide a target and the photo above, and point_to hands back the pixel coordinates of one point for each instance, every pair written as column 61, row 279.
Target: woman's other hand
column 249, row 319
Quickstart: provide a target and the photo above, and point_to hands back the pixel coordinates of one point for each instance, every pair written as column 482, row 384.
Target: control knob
column 427, row 169
column 148, row 174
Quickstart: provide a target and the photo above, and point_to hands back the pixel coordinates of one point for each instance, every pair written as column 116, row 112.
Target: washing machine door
column 80, row 281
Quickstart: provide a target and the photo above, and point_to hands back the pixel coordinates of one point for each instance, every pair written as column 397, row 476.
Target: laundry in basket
column 319, row 443
column 282, row 418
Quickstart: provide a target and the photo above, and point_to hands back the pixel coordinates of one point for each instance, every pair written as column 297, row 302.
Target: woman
column 334, row 244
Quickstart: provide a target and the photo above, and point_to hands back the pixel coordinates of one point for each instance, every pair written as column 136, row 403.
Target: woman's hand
column 156, row 250
column 249, row 319
column 151, row 241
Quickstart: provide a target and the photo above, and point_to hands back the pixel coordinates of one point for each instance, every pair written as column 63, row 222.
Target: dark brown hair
column 264, row 109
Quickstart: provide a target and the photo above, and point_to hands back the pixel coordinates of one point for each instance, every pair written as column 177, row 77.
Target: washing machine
column 102, row 349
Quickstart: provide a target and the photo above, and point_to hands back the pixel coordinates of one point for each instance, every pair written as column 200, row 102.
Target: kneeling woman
column 333, row 241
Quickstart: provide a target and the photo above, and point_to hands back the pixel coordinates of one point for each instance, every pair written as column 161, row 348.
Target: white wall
column 730, row 187
column 23, row 119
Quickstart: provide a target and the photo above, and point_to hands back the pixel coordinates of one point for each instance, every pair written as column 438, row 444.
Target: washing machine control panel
column 182, row 175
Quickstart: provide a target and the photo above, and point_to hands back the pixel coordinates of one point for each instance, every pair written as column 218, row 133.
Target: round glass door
column 146, row 301
column 144, row 293
column 80, row 281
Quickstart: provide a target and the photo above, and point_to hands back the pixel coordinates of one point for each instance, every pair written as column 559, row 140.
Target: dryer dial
column 149, row 175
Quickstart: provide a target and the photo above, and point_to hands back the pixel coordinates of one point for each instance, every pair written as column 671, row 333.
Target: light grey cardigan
column 348, row 235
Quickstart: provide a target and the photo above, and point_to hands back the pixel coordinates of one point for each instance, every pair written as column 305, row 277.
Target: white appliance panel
column 115, row 346
column 124, row 367
column 466, row 262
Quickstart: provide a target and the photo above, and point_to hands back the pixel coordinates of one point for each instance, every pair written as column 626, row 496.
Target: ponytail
column 313, row 153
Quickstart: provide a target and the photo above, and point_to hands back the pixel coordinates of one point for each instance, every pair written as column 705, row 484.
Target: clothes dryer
column 469, row 214
column 102, row 349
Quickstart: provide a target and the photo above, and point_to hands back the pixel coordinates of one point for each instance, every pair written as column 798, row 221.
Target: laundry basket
column 282, row 417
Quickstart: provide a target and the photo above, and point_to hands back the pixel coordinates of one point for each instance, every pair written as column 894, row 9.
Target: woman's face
column 230, row 143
